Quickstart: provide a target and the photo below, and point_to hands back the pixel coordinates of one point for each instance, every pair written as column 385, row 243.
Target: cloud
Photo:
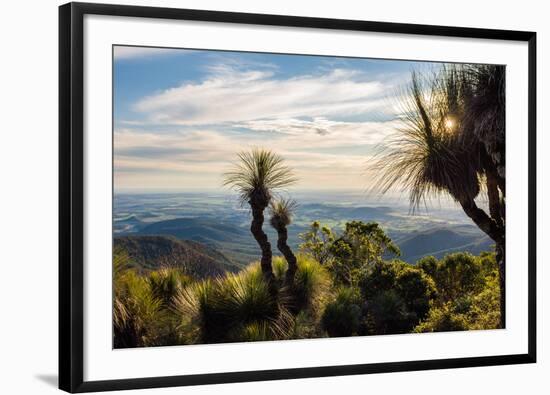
column 322, row 133
column 326, row 124
column 336, row 159
column 230, row 94
column 128, row 52
column 174, row 151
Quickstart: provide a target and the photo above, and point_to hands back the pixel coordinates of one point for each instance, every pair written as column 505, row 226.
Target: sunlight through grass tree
column 452, row 141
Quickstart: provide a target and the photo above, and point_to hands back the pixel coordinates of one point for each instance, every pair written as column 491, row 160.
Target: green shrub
column 428, row 264
column 317, row 242
column 398, row 296
column 488, row 263
column 468, row 293
column 457, row 275
column 443, row 319
column 347, row 255
column 484, row 312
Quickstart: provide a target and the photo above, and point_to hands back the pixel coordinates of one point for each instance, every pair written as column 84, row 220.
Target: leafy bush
column 443, row 319
column 428, row 264
column 458, row 274
column 317, row 242
column 468, row 293
column 346, row 256
column 398, row 296
column 484, row 312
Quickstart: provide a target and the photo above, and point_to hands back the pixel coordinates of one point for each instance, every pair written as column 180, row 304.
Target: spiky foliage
column 255, row 331
column 279, row 269
column 237, row 307
column 120, row 265
column 425, row 156
column 342, row 315
column 137, row 312
column 193, row 305
column 282, row 211
column 257, row 173
column 311, row 285
column 141, row 315
column 166, row 282
column 484, row 115
column 121, row 315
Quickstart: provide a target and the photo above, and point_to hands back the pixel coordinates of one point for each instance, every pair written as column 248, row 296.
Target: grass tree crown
column 282, row 211
column 256, row 174
column 427, row 155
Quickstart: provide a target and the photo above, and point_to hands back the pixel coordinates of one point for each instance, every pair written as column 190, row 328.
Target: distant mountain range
column 237, row 245
column 361, row 213
column 203, row 230
column 233, row 241
column 196, row 259
column 441, row 241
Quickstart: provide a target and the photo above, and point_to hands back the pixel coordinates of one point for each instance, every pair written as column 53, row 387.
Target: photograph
column 267, row 196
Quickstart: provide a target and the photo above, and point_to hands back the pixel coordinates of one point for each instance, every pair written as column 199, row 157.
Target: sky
column 181, row 116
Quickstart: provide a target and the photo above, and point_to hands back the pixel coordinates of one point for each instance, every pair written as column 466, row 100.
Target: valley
column 216, row 222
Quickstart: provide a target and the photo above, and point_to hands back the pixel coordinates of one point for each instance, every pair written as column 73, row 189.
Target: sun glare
column 450, row 123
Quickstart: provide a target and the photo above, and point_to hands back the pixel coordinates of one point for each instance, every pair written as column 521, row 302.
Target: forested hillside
column 155, row 252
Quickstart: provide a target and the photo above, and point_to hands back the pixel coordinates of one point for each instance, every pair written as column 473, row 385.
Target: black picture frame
column 71, row 173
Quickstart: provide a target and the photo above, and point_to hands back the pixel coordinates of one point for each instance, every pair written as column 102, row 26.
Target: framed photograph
column 251, row 197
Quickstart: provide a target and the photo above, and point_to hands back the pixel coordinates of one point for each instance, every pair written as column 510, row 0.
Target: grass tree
column 451, row 142
column 483, row 131
column 281, row 216
column 255, row 176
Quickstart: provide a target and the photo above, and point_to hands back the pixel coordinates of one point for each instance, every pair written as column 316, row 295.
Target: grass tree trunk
column 493, row 194
column 496, row 211
column 496, row 232
column 256, row 228
column 282, row 246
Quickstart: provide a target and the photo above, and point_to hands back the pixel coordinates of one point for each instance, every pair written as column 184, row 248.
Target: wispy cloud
column 325, row 122
column 230, row 94
column 335, row 160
